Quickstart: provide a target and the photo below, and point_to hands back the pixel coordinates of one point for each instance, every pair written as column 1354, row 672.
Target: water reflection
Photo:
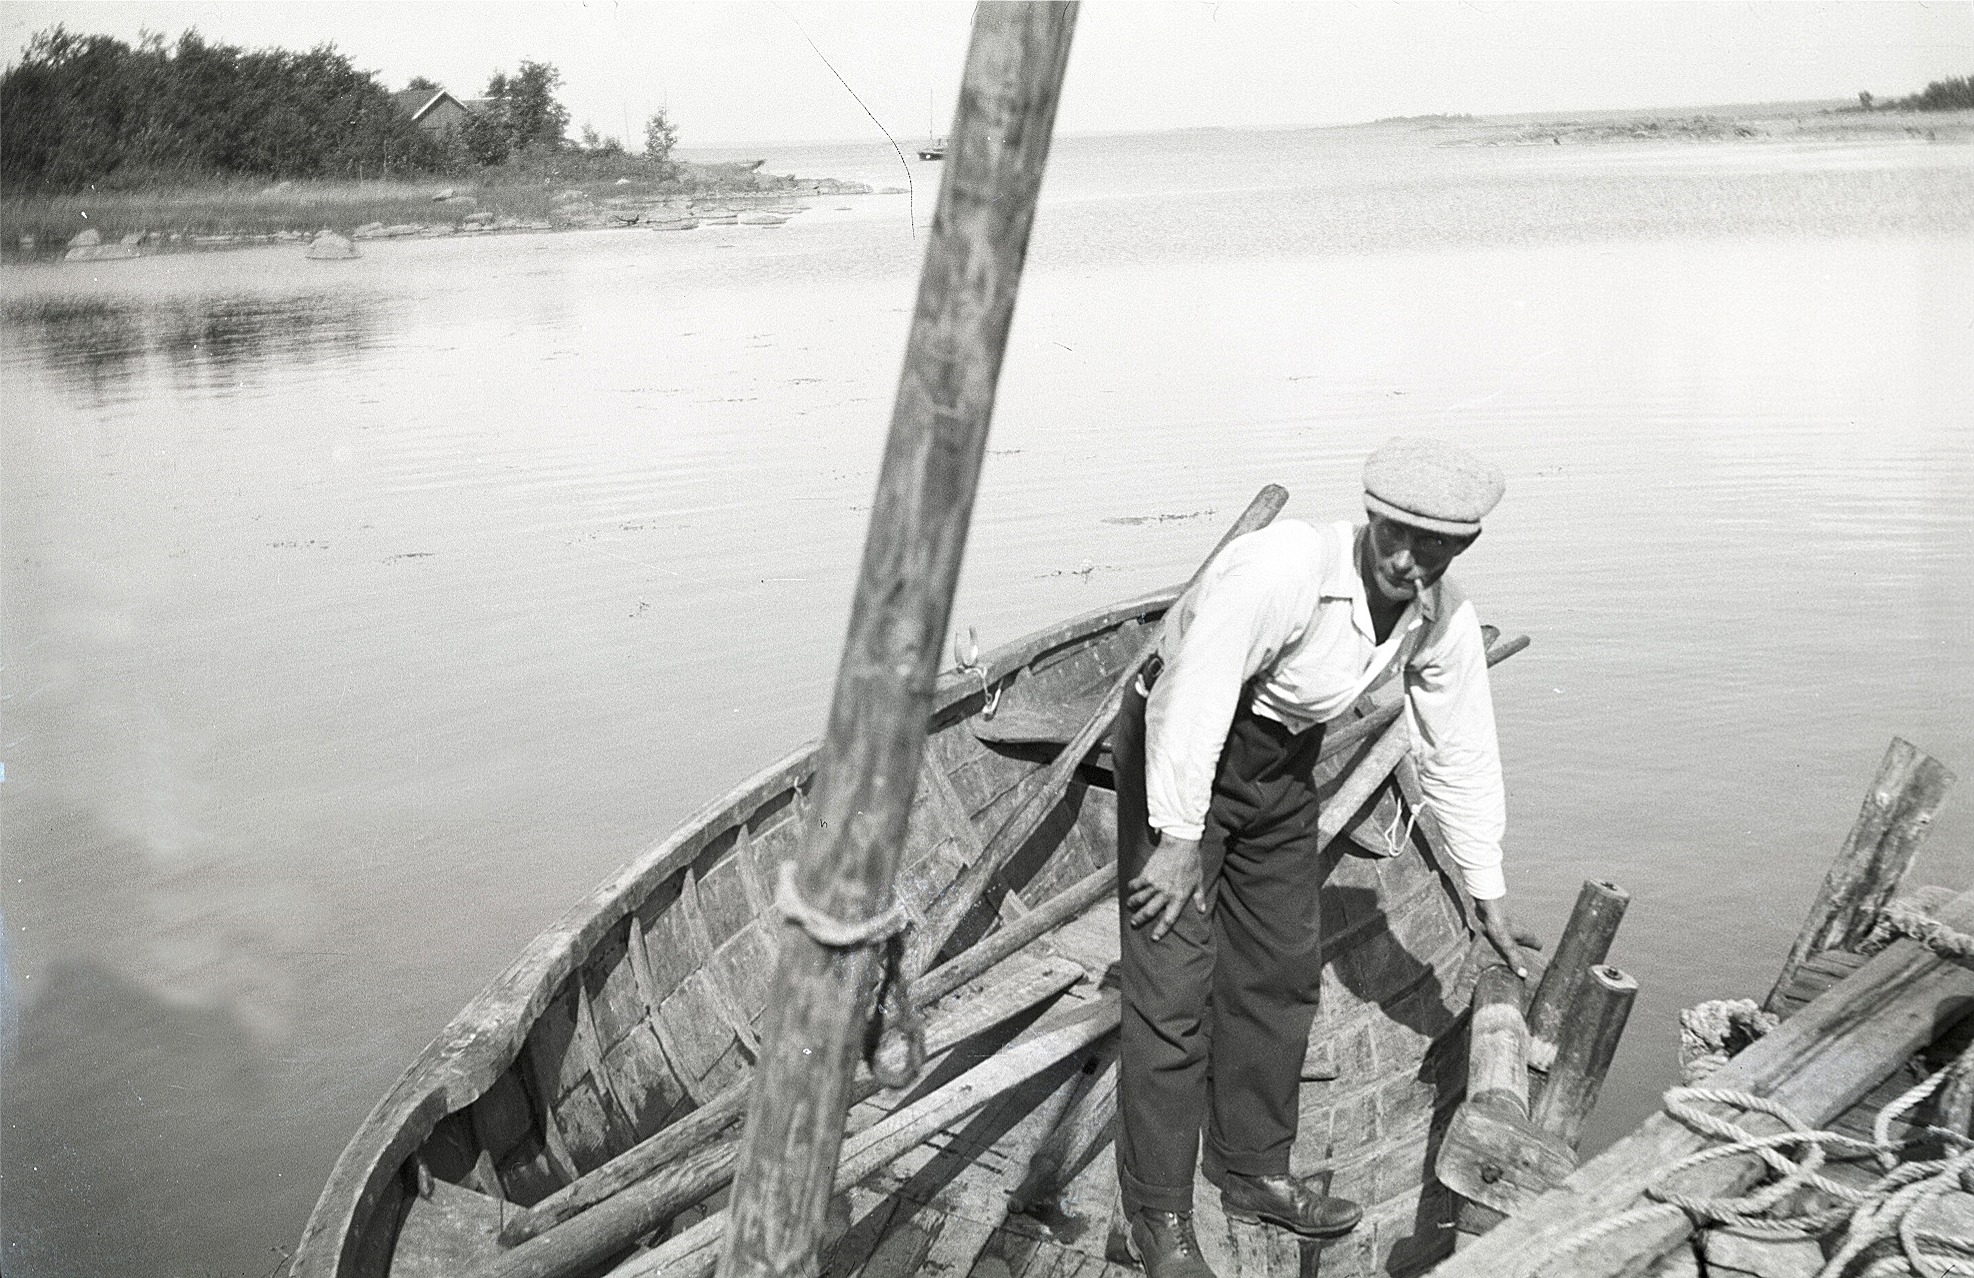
column 105, row 1182
column 102, row 343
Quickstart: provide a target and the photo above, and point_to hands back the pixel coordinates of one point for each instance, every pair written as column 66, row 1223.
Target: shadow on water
column 101, row 343
column 122, row 1181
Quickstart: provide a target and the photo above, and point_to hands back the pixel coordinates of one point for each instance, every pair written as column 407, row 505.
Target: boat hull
column 642, row 1006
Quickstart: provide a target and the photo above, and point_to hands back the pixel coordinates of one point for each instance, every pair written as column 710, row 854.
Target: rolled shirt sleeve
column 1450, row 711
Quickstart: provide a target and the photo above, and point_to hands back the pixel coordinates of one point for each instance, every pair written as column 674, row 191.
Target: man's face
column 1405, row 560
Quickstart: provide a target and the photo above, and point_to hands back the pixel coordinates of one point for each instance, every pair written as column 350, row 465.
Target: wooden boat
column 1866, row 1043
column 631, row 1024
column 579, row 1117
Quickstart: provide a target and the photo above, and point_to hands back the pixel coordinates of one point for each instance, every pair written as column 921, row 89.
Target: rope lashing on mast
column 1890, row 1208
column 894, row 1042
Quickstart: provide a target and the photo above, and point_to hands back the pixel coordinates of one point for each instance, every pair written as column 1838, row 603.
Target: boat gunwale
column 485, row 1037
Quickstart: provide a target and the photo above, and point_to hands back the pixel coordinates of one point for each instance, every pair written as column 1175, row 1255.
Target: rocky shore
column 328, row 217
column 1754, row 124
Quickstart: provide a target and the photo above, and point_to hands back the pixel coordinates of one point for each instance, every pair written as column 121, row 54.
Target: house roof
column 417, row 102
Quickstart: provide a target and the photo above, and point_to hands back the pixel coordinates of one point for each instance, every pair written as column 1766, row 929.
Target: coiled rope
column 1889, row 1208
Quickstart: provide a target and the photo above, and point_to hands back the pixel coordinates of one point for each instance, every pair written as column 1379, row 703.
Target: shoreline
column 111, row 225
column 1754, row 125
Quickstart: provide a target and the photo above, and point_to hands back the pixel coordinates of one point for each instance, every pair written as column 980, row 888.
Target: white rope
column 1890, row 1208
column 828, row 930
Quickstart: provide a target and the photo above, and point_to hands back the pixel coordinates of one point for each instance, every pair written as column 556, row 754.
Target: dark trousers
column 1216, row 1014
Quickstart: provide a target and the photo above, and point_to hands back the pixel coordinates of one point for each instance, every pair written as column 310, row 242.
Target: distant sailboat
column 935, row 147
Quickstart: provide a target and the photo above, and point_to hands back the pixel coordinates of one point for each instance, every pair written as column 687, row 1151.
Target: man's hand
column 1503, row 935
column 1170, row 876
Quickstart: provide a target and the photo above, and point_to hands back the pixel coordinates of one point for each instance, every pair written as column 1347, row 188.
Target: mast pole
column 868, row 768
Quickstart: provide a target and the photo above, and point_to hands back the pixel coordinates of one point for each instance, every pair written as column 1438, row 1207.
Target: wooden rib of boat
column 612, row 1055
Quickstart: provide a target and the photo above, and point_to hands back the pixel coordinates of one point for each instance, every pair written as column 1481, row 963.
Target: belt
column 1148, row 676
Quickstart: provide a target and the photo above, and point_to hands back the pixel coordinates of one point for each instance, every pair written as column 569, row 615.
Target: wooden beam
column 1584, row 1048
column 690, row 1254
column 1898, row 811
column 1818, row 1064
column 877, row 725
column 1083, row 1126
column 1586, row 942
column 1493, row 1156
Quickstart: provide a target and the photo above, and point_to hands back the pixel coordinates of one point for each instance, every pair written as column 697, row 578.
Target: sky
column 759, row 72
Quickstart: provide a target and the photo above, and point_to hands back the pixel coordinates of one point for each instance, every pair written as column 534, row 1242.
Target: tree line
column 1955, row 93
column 90, row 109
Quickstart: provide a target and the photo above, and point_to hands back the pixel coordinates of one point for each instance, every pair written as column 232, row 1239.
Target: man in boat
column 1217, row 839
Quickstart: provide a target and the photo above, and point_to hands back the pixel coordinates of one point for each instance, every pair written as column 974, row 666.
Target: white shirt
column 1286, row 603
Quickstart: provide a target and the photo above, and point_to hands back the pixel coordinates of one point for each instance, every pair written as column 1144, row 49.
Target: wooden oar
column 842, row 892
column 1045, row 789
column 690, row 1254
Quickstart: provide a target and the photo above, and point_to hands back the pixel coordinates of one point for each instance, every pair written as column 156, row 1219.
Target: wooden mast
column 871, row 752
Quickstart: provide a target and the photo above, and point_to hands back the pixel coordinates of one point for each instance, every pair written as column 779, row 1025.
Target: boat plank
column 616, row 1004
column 637, row 1073
column 953, row 1253
column 712, row 988
column 745, row 967
column 699, row 1038
column 447, row 1233
column 670, row 953
column 502, row 1118
column 760, row 896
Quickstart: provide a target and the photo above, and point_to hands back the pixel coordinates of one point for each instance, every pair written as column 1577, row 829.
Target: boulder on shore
column 330, row 247
column 87, row 239
column 100, row 253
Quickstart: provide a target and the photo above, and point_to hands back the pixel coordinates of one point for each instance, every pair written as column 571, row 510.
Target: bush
column 1955, row 94
column 82, row 109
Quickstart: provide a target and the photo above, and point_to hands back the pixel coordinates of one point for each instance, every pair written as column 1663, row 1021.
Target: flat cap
column 1431, row 484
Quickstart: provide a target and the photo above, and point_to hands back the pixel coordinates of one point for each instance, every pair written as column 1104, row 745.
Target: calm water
column 361, row 616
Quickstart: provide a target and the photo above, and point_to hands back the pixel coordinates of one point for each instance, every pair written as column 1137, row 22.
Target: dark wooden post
column 1897, row 812
column 1584, row 1048
column 1586, row 943
column 876, row 737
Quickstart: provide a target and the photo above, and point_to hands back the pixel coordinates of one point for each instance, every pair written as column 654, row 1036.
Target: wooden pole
column 1086, row 1124
column 1492, row 1155
column 1586, row 943
column 1497, row 1046
column 875, row 741
column 1818, row 1064
column 1497, row 1071
column 1898, row 810
column 1584, row 1048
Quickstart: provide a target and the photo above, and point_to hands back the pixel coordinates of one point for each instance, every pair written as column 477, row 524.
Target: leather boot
column 1163, row 1244
column 1289, row 1202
